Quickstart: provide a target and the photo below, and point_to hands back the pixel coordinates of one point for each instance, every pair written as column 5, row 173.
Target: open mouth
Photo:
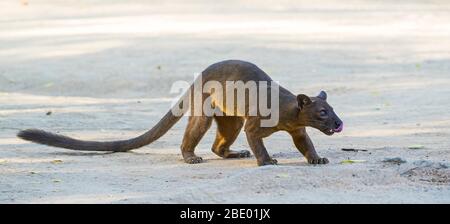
column 328, row 132
column 332, row 131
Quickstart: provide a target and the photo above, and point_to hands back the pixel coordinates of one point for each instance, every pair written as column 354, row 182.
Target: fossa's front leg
column 259, row 150
column 306, row 147
column 254, row 137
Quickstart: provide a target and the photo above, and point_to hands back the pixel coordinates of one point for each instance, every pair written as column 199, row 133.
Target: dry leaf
column 416, row 147
column 56, row 161
column 349, row 161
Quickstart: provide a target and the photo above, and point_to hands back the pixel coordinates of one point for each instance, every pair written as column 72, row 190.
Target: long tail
column 51, row 139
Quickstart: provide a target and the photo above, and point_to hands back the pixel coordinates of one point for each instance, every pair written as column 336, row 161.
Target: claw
column 268, row 162
column 318, row 161
column 193, row 160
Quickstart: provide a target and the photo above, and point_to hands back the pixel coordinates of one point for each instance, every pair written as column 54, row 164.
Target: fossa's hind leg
column 228, row 129
column 195, row 130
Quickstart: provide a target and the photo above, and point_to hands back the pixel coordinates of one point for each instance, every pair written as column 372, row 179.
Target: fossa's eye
column 323, row 113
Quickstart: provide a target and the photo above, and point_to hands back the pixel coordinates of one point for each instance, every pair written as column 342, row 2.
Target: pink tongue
column 340, row 128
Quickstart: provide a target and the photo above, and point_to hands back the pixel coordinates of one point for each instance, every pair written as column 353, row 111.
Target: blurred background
column 122, row 48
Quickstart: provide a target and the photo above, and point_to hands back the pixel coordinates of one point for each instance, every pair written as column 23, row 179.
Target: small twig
column 353, row 150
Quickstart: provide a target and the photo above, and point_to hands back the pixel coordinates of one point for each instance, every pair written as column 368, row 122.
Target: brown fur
column 296, row 112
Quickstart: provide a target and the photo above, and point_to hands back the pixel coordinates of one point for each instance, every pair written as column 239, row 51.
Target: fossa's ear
column 322, row 95
column 303, row 100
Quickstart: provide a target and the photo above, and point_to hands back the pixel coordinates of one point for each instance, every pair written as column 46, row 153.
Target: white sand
column 385, row 65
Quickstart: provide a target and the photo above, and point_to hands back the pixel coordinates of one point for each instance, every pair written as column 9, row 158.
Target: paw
column 237, row 154
column 244, row 154
column 268, row 162
column 193, row 159
column 318, row 161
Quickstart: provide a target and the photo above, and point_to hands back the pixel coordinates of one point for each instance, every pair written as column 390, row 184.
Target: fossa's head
column 317, row 113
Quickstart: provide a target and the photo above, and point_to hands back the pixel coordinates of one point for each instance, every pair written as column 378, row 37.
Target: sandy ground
column 105, row 70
